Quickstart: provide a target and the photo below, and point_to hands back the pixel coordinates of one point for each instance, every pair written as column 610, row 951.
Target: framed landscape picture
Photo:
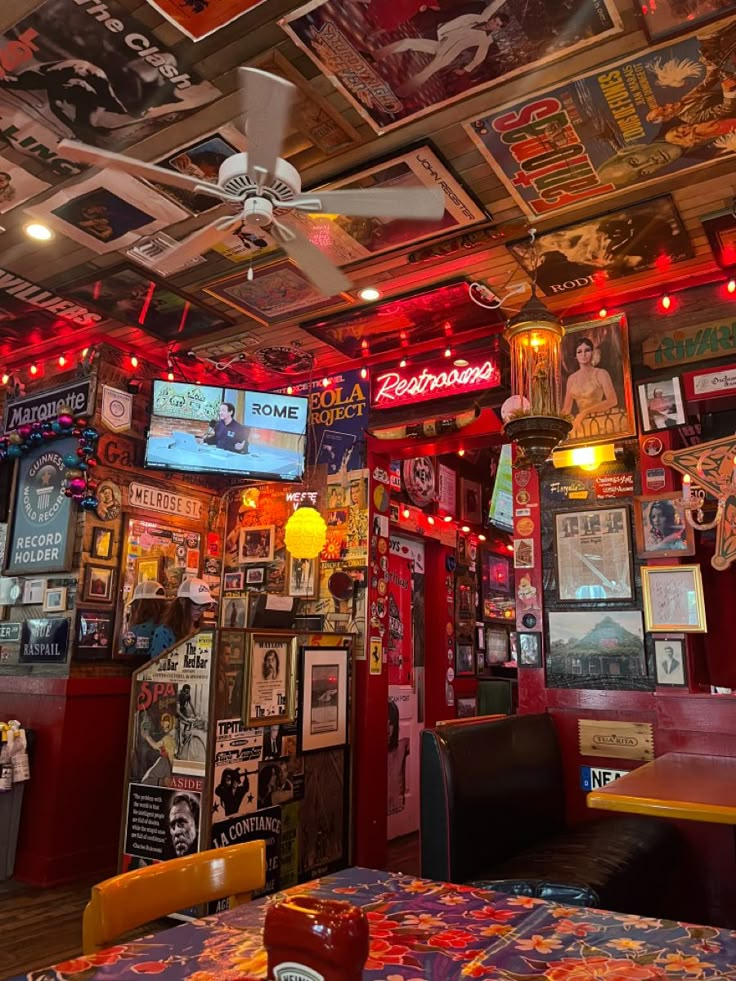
column 593, row 550
column 99, row 583
column 596, row 649
column 662, row 529
column 673, row 598
column 324, row 687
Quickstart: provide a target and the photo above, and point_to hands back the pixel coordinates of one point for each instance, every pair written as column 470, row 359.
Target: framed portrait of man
column 596, row 381
column 269, row 696
column 669, row 662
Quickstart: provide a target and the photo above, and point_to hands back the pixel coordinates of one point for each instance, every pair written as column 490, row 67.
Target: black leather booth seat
column 493, row 813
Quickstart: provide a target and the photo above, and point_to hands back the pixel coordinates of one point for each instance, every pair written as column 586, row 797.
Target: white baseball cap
column 149, row 590
column 196, row 590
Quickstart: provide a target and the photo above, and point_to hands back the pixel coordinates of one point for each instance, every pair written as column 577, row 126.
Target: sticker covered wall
column 664, row 111
column 95, row 74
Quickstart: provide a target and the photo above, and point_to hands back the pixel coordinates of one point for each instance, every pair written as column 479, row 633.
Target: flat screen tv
column 212, row 429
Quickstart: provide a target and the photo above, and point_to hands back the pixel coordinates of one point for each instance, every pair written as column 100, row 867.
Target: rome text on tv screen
column 208, row 429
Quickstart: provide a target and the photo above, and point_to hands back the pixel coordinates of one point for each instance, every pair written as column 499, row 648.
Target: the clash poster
column 91, row 72
column 618, row 244
column 665, row 111
column 200, row 18
column 400, row 59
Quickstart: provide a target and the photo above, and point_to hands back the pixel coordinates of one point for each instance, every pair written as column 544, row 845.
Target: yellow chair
column 132, row 899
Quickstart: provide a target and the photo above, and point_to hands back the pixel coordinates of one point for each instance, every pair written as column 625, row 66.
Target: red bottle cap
column 312, row 939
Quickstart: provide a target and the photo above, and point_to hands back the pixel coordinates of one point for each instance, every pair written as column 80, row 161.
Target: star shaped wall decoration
column 711, row 466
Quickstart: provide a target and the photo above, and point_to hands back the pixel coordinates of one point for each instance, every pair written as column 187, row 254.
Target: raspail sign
column 616, row 740
column 44, row 407
column 690, row 344
column 152, row 498
column 405, row 386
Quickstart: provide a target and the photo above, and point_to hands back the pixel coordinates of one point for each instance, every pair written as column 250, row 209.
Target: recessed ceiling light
column 39, row 232
column 369, row 293
column 461, row 363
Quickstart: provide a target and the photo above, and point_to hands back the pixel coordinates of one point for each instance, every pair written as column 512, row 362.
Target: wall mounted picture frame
column 530, row 650
column 102, row 542
column 324, row 683
column 256, row 544
column 234, row 582
column 720, row 230
column 99, row 584
column 302, row 577
column 599, row 649
column 33, row 592
column 55, row 598
column 673, row 598
column 662, row 19
column 670, row 662
column 279, row 291
column 269, row 694
column 255, row 576
column 149, row 569
column 466, row 706
column 593, row 555
column 662, row 530
column 596, row 381
column 661, row 405
column 471, row 501
column 464, row 660
column 497, row 645
column 233, row 611
column 94, row 633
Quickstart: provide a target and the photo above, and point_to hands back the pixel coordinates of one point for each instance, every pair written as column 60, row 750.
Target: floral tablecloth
column 422, row 930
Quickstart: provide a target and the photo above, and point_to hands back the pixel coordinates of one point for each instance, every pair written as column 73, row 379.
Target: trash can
column 11, row 802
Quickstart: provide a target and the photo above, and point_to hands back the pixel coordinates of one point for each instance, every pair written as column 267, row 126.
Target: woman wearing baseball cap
column 183, row 615
column 144, row 615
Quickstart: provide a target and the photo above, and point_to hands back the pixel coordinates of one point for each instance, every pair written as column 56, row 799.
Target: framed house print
column 596, row 381
column 99, row 584
column 662, row 529
column 670, row 663
column 324, row 700
column 269, row 697
column 593, row 550
column 661, row 405
column 673, row 598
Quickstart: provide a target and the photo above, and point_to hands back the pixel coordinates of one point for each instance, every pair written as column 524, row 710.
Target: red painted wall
column 72, row 804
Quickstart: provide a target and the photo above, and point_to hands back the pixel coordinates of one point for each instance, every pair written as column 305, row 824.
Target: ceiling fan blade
column 314, row 263
column 421, row 203
column 82, row 153
column 266, row 101
column 197, row 243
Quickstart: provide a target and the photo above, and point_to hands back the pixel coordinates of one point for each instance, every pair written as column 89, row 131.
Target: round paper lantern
column 305, row 533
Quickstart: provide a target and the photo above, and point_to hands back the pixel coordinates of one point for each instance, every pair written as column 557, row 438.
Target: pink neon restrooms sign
column 405, row 386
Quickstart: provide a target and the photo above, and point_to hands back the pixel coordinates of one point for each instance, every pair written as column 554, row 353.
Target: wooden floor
column 44, row 926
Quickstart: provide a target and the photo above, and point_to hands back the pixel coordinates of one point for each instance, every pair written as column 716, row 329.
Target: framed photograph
column 99, row 583
column 201, row 159
column 414, row 60
column 54, row 600
column 618, row 244
column 464, row 659
column 149, row 569
column 269, row 697
column 670, row 662
column 130, row 294
column 279, row 291
column 466, row 706
column 302, row 577
column 514, row 646
column 324, row 697
column 94, row 634
column 471, row 501
column 102, row 539
column 497, row 645
column 661, row 405
column 234, row 582
column 255, row 576
column 661, row 527
column 256, row 544
column 720, row 229
column 234, row 611
column 593, row 552
column 668, row 18
column 497, row 586
column 596, row 381
column 596, row 649
column 673, row 598
column 34, row 591
column 530, row 650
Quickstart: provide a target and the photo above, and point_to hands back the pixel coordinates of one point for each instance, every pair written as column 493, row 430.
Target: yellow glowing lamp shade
column 305, row 533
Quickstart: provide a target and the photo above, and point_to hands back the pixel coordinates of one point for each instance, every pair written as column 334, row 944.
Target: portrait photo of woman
column 596, row 381
column 662, row 528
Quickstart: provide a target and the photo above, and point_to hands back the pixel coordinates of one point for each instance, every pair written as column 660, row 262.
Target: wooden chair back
column 126, row 901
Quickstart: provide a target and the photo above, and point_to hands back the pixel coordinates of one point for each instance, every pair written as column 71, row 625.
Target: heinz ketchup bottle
column 312, row 939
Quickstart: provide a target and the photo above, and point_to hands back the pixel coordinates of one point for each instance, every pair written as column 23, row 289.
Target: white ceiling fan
column 262, row 188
